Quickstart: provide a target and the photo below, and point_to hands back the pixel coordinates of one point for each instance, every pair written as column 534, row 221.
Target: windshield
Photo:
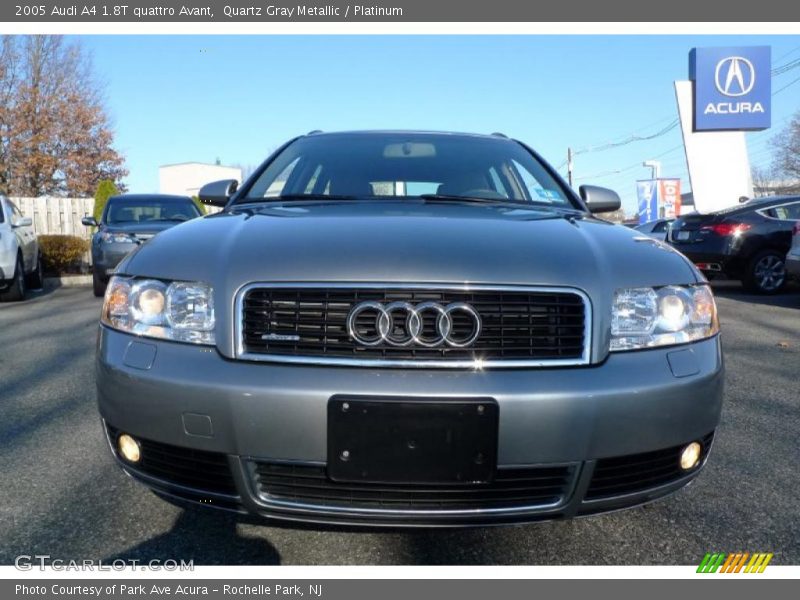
column 123, row 210
column 348, row 166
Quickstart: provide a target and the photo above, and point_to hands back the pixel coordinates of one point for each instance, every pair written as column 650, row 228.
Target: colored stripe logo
column 738, row 562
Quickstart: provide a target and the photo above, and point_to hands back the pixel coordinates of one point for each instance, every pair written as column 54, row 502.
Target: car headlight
column 673, row 314
column 116, row 238
column 180, row 310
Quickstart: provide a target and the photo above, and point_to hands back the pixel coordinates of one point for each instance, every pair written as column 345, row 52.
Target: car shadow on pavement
column 189, row 538
column 461, row 546
column 789, row 298
column 31, row 295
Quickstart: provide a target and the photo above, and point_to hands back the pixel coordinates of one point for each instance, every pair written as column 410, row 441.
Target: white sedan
column 655, row 229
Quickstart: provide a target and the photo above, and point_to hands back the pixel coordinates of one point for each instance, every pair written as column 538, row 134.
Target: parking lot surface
column 63, row 495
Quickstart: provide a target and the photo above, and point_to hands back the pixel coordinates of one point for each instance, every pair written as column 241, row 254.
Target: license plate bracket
column 412, row 441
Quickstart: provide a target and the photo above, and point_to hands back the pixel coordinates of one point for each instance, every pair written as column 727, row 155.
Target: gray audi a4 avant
column 409, row 329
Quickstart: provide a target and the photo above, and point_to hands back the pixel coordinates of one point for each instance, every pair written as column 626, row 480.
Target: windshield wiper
column 453, row 197
column 306, row 197
column 569, row 214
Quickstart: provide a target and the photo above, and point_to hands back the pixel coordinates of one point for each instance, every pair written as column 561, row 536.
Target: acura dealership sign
column 732, row 88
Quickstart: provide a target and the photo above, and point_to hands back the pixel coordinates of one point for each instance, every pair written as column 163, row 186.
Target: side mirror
column 89, row 221
column 23, row 222
column 217, row 193
column 600, row 200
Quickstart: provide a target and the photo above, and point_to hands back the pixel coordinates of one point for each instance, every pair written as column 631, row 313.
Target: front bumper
column 579, row 424
column 107, row 255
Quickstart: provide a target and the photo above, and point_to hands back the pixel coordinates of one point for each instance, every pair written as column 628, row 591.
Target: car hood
column 404, row 242
column 392, row 242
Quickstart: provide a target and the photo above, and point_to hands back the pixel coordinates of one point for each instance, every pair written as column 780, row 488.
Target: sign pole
column 569, row 166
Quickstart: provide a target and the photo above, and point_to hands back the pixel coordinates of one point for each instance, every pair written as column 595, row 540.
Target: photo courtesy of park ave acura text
column 399, row 300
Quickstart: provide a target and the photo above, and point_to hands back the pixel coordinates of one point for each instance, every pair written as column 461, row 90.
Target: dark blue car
column 128, row 221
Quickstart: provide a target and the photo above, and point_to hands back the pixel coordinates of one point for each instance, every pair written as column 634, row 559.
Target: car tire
column 766, row 273
column 36, row 277
column 98, row 285
column 16, row 291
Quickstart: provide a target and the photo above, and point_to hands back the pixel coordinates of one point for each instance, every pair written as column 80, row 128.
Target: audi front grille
column 307, row 486
column 341, row 324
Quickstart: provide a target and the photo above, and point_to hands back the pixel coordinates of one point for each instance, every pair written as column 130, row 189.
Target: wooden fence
column 53, row 215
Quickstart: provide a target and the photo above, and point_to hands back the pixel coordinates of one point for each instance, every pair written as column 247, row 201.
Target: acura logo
column 735, row 76
column 400, row 324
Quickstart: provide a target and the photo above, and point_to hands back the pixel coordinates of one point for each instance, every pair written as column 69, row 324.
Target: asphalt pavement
column 63, row 495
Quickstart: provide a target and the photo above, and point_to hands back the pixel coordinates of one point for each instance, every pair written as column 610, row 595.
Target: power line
column 793, row 64
column 629, row 140
column 634, row 137
column 789, row 53
column 758, row 135
column 786, row 86
column 603, row 174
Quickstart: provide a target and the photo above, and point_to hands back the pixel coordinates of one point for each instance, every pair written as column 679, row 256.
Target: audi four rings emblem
column 402, row 324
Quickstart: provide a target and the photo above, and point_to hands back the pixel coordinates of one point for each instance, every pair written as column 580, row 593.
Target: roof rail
column 498, row 134
column 314, row 132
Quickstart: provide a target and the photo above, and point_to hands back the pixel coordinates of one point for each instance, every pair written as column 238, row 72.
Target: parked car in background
column 20, row 258
column 793, row 257
column 748, row 242
column 655, row 229
column 128, row 221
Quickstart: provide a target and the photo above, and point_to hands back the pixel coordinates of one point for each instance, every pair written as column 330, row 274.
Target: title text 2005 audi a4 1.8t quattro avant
column 405, row 328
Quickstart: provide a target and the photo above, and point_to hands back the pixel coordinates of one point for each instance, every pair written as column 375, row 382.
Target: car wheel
column 36, row 278
column 766, row 273
column 16, row 291
column 98, row 285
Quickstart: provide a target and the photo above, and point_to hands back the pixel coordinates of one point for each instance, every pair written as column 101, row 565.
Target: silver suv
column 409, row 328
column 20, row 259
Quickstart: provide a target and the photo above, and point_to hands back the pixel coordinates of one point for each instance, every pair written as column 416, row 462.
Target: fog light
column 129, row 448
column 690, row 456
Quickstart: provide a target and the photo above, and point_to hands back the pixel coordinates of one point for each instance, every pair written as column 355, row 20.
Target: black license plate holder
column 412, row 441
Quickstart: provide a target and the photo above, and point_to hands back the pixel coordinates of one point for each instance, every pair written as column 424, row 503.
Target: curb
column 67, row 281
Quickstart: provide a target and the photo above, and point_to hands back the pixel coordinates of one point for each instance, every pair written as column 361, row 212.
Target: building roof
column 379, row 132
column 162, row 197
column 202, row 164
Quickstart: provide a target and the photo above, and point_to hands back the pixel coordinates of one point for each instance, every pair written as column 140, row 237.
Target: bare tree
column 764, row 180
column 618, row 216
column 55, row 137
column 247, row 169
column 787, row 156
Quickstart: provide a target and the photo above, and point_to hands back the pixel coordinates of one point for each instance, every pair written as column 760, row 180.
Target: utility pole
column 569, row 166
column 655, row 168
